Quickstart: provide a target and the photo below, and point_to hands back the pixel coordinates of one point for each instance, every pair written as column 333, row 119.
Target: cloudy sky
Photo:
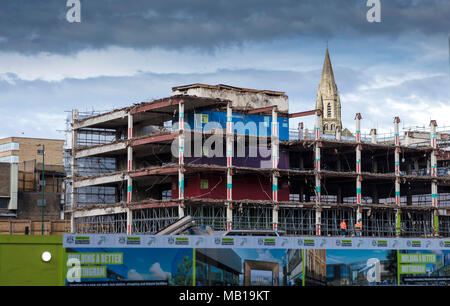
column 125, row 52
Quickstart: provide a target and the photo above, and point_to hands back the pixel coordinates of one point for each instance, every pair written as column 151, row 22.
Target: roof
column 14, row 138
column 228, row 87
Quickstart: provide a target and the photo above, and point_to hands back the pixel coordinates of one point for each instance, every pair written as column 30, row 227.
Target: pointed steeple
column 328, row 98
column 327, row 72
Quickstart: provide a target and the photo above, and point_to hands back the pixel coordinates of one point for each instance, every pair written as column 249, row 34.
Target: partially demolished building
column 226, row 157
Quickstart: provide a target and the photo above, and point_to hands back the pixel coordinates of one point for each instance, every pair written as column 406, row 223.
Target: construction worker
column 358, row 228
column 343, row 227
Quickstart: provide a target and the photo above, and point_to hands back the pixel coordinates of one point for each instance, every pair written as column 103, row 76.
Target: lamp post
column 42, row 183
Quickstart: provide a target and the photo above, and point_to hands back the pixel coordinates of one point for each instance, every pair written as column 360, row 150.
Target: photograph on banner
column 361, row 267
column 186, row 266
column 424, row 267
column 129, row 266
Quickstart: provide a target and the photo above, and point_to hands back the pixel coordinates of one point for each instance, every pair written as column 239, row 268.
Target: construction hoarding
column 252, row 261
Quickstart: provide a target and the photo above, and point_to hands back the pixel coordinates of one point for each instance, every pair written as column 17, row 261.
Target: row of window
column 9, row 159
column 9, row 146
column 332, row 127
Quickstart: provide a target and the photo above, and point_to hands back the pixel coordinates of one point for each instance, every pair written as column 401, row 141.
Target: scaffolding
column 297, row 220
column 102, row 224
column 379, row 223
column 252, row 217
column 417, row 224
column 152, row 220
column 332, row 218
column 213, row 216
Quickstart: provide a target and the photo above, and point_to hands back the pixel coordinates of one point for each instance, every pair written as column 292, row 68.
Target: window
column 329, row 110
column 166, row 194
column 332, row 127
column 325, row 127
column 4, row 202
column 9, row 146
column 204, row 184
column 9, row 159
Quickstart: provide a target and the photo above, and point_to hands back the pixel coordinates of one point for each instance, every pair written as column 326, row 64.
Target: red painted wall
column 244, row 187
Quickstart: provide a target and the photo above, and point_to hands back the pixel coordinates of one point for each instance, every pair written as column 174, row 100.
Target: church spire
column 328, row 98
column 327, row 71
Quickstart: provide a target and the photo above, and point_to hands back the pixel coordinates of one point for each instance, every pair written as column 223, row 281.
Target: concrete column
column 397, row 174
column 229, row 148
column 434, row 188
column 416, row 165
column 373, row 135
column 338, row 133
column 129, row 221
column 181, row 158
column 301, row 193
column 300, row 131
column 375, row 198
column 275, row 160
column 306, row 133
column 130, row 159
column 317, row 171
column 73, row 197
column 339, row 195
column 358, row 166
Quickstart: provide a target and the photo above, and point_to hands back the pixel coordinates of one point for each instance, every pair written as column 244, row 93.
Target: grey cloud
column 38, row 107
column 31, row 26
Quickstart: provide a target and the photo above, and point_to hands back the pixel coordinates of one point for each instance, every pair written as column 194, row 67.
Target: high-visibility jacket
column 343, row 225
column 358, row 226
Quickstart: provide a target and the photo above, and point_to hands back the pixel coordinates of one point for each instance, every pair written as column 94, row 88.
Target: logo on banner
column 300, row 242
column 133, row 240
column 267, row 241
column 217, row 240
column 380, row 243
column 82, row 240
column 171, row 240
column 102, row 240
column 199, row 241
column 445, row 244
column 243, row 241
column 414, row 243
column 70, row 239
column 151, row 241
column 122, row 240
column 344, row 243
column 396, row 243
column 182, row 241
column 309, row 242
column 228, row 241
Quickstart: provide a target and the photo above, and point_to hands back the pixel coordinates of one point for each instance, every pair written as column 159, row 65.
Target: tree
column 184, row 273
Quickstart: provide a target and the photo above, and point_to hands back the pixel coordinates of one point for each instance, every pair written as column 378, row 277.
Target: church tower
column 328, row 99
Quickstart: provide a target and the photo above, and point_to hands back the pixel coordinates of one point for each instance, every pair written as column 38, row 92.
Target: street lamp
column 42, row 152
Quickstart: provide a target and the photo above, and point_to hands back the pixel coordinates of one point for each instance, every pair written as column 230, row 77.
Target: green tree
column 184, row 273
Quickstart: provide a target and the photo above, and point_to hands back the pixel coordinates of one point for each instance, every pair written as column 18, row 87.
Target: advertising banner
column 98, row 260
